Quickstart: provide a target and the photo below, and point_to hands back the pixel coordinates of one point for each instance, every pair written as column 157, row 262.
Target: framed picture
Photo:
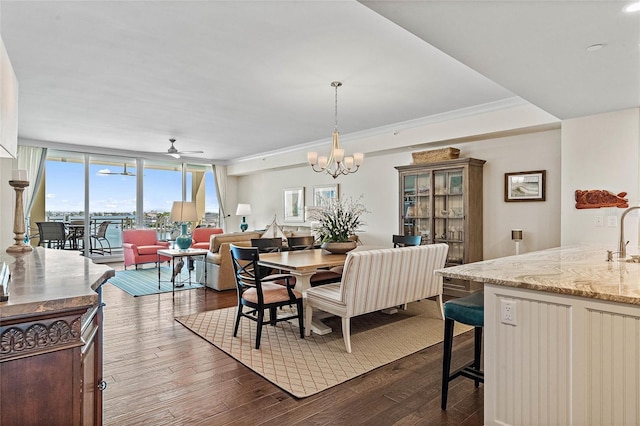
column 294, row 205
column 455, row 184
column 324, row 194
column 525, row 186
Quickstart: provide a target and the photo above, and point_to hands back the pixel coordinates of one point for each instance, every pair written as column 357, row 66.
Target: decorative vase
column 183, row 241
column 338, row 248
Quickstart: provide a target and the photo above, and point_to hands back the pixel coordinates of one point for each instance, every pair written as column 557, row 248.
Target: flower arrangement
column 337, row 221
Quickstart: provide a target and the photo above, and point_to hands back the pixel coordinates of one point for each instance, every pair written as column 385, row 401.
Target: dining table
column 302, row 264
column 75, row 234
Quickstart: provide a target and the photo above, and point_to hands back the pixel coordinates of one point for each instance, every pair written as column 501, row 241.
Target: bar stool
column 466, row 310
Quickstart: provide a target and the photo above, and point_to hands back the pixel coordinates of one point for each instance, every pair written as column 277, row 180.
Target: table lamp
column 516, row 235
column 182, row 212
column 243, row 210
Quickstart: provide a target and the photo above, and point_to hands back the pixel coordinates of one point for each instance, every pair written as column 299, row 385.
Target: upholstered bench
column 373, row 280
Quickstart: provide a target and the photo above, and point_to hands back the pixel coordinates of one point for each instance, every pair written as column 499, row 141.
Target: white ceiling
column 238, row 78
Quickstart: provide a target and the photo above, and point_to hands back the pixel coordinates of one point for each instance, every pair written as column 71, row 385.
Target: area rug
column 304, row 367
column 142, row 282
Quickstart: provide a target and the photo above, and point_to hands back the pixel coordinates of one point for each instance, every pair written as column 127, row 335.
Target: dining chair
column 100, row 238
column 306, row 242
column 267, row 245
column 52, row 234
column 262, row 293
column 322, row 276
column 406, row 240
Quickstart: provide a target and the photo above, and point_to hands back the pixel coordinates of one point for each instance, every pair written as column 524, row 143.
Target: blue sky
column 115, row 193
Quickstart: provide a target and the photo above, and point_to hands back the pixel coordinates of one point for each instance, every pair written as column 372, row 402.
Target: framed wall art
column 525, row 186
column 325, row 194
column 294, row 205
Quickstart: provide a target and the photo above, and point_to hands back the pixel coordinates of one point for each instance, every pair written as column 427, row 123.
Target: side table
column 178, row 254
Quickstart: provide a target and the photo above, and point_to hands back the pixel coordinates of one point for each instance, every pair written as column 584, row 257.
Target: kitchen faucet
column 622, row 247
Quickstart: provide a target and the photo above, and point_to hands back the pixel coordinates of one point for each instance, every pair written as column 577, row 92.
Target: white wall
column 377, row 181
column 601, row 152
column 7, row 206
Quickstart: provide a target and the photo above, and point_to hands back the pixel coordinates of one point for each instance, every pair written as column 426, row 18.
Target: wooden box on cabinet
column 442, row 202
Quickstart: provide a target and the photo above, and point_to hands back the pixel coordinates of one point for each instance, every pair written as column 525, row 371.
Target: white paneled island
column 571, row 354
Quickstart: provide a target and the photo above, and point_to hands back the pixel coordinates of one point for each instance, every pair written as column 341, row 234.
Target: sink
column 631, row 259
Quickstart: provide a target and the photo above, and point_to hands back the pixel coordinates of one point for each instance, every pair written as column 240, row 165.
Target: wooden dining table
column 302, row 264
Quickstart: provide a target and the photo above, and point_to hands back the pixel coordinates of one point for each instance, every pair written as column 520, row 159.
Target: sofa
column 373, row 280
column 141, row 246
column 220, row 275
column 201, row 237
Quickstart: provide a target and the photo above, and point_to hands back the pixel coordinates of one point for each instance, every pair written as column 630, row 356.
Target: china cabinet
column 442, row 202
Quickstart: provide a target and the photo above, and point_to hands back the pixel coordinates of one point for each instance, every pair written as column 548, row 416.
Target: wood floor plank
column 160, row 373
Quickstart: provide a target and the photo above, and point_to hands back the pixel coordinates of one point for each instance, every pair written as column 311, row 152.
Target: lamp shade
column 243, row 210
column 184, row 211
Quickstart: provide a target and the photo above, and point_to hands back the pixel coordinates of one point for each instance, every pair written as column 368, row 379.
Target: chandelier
column 337, row 164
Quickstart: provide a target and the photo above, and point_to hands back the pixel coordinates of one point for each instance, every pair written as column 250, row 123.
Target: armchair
column 141, row 246
column 201, row 237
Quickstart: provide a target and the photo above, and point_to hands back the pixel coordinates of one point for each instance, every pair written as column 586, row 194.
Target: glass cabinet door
column 416, row 210
column 449, row 212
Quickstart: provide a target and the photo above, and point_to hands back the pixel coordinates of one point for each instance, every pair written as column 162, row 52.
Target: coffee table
column 174, row 254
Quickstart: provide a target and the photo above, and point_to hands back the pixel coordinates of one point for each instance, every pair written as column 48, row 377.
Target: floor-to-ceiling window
column 162, row 186
column 63, row 187
column 112, row 196
column 114, row 188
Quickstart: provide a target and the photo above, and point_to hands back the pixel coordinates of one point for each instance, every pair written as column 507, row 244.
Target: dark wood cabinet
column 51, row 349
column 442, row 202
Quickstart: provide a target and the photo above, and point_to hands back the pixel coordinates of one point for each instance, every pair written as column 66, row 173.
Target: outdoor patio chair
column 52, row 234
column 100, row 239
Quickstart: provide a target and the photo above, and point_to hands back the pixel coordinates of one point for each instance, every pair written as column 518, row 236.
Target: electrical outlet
column 508, row 309
column 598, row 221
column 612, row 221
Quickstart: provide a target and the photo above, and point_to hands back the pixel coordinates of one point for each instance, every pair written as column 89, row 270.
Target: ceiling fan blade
column 122, row 173
column 173, row 151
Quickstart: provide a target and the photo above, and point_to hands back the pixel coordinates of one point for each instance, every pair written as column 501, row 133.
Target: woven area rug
column 304, row 367
column 142, row 282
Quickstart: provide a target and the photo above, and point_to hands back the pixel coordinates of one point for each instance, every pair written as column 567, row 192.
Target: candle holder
column 18, row 219
column 516, row 236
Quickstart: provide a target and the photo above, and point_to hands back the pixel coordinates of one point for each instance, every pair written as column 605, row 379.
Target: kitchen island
column 51, row 339
column 570, row 353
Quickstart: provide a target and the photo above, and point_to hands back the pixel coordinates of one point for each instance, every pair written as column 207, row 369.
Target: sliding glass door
column 116, row 189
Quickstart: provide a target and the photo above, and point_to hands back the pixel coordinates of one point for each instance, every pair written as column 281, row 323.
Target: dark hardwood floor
column 158, row 373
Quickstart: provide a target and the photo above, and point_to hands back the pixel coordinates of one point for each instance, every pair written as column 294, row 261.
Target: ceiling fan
column 172, row 151
column 122, row 173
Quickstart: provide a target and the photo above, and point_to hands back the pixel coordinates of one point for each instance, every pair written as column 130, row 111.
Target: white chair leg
column 441, row 307
column 308, row 316
column 346, row 333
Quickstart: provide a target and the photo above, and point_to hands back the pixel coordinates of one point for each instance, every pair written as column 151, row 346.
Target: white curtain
column 220, row 176
column 32, row 159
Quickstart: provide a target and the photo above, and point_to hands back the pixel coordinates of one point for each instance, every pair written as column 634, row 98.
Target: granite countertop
column 51, row 280
column 576, row 270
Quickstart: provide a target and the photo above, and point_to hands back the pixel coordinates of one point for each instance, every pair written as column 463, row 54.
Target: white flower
column 338, row 220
